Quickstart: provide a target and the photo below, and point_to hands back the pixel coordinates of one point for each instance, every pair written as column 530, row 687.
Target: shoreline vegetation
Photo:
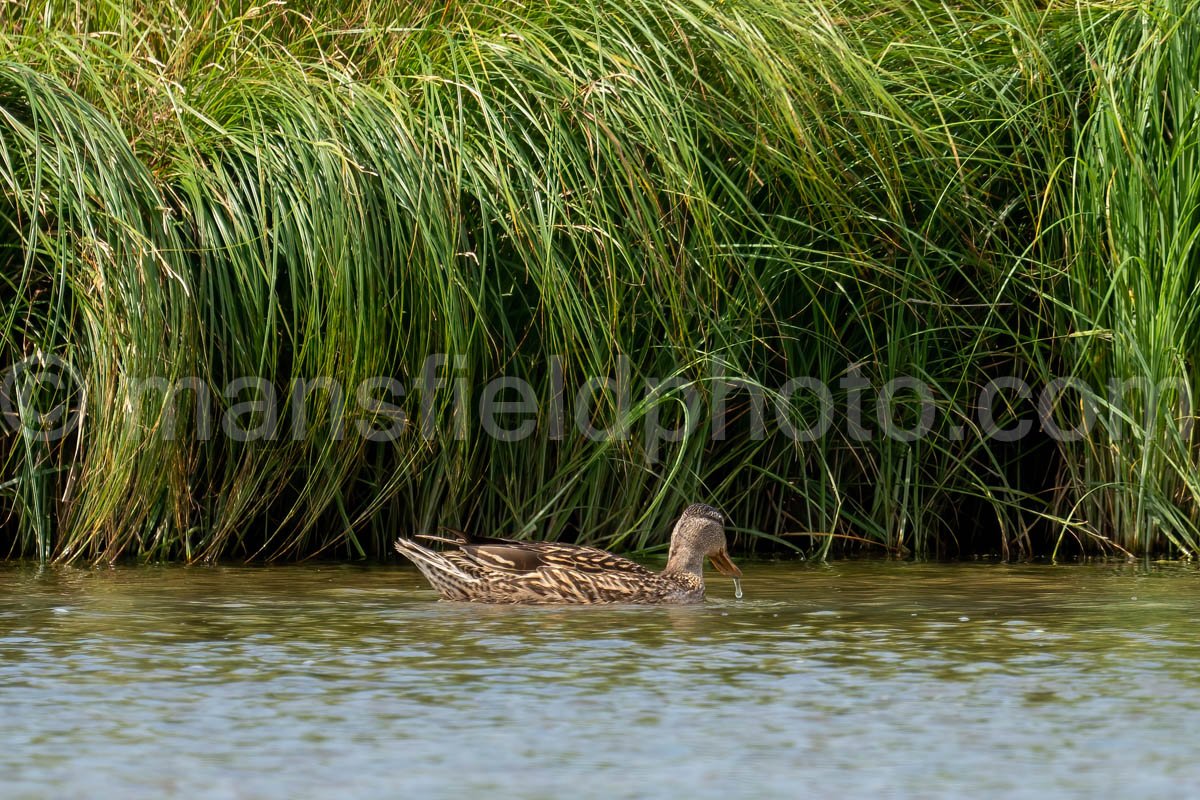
column 913, row 198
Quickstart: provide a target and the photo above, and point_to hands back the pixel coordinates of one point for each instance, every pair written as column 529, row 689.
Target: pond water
column 849, row 678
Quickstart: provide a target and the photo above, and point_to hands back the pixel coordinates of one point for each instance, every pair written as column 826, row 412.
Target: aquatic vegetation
column 235, row 239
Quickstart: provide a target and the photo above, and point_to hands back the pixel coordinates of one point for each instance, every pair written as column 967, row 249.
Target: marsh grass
column 1133, row 307
column 758, row 190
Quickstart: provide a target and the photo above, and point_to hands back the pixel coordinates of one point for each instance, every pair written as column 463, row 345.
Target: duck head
column 700, row 534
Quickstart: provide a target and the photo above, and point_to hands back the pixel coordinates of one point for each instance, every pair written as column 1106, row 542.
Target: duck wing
column 507, row 555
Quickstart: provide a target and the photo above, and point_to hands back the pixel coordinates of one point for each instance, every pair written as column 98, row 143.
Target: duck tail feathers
column 444, row 575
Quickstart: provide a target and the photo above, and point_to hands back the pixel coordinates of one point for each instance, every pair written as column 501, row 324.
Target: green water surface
column 847, row 679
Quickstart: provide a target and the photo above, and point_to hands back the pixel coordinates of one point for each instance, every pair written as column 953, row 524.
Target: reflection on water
column 861, row 678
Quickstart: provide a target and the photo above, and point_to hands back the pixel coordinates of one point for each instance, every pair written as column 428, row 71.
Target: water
column 848, row 679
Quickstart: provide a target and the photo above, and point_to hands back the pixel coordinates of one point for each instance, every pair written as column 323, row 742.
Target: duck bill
column 720, row 560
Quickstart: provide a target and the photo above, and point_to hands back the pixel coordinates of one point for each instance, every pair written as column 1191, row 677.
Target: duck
column 488, row 570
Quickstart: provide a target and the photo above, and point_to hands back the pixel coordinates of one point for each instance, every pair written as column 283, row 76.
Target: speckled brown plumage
column 489, row 570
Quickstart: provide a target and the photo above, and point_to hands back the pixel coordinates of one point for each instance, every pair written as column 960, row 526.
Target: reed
column 712, row 192
column 1131, row 313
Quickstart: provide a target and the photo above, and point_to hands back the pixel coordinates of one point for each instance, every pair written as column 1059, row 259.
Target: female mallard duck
column 485, row 570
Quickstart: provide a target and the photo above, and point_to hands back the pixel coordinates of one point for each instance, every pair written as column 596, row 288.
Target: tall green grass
column 757, row 190
column 1133, row 313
